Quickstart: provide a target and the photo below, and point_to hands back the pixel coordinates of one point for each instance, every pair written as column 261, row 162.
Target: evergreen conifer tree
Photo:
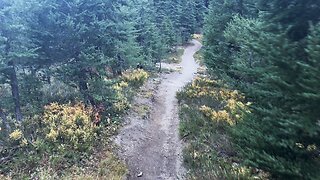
column 17, row 49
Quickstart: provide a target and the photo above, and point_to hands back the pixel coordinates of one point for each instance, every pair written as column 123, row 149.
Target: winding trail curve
column 150, row 145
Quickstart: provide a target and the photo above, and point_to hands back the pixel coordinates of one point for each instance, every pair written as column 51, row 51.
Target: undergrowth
column 70, row 140
column 175, row 56
column 208, row 111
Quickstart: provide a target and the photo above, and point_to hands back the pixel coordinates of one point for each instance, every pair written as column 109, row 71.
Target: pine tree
column 273, row 60
column 17, row 48
column 293, row 16
column 82, row 38
column 218, row 50
column 187, row 19
column 150, row 36
column 200, row 11
column 281, row 133
column 168, row 32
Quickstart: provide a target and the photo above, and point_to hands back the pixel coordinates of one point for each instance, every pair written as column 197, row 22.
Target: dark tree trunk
column 121, row 63
column 15, row 92
column 12, row 76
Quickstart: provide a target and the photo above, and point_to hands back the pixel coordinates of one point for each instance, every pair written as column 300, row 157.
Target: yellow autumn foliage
column 122, row 102
column 120, row 86
column 16, row 135
column 231, row 104
column 135, row 77
column 197, row 36
column 202, row 87
column 69, row 124
column 217, row 116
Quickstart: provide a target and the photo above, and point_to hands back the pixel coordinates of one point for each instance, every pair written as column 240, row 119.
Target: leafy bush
column 216, row 102
column 69, row 127
column 62, row 135
column 131, row 78
column 121, row 91
column 17, row 137
column 198, row 37
column 135, row 78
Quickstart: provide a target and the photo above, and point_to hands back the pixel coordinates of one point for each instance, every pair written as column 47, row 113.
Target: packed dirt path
column 149, row 142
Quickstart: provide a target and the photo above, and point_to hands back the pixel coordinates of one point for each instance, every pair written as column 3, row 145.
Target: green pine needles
column 273, row 57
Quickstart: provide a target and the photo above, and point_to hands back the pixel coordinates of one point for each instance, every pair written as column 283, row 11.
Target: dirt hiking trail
column 149, row 142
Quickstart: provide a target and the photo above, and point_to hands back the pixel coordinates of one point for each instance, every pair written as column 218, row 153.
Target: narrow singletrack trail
column 150, row 144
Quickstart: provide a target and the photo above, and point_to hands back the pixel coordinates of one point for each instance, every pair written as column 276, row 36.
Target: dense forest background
column 65, row 78
column 79, row 42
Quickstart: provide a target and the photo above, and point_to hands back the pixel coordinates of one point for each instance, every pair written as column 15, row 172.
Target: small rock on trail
column 151, row 146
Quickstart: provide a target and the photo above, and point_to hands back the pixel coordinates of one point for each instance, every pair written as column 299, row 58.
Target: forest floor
column 149, row 141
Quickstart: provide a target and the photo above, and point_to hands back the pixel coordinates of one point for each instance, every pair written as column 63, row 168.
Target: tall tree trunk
column 15, row 92
column 12, row 76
